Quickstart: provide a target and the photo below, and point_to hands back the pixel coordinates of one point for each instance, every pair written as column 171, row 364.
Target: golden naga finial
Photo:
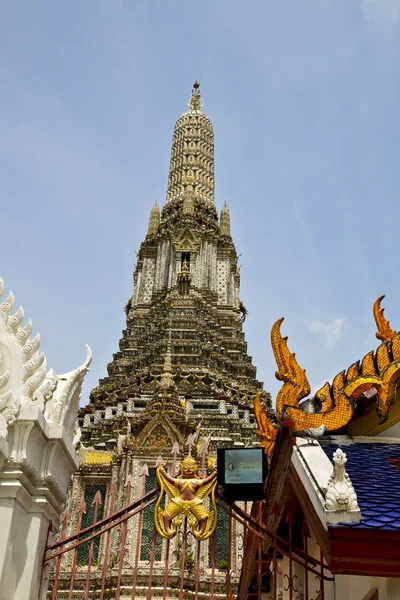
column 186, row 493
column 195, row 102
column 266, row 431
column 385, row 333
column 378, row 374
column 289, row 370
column 336, row 401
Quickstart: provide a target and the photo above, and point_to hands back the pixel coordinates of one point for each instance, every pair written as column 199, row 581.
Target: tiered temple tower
column 182, row 376
column 186, row 286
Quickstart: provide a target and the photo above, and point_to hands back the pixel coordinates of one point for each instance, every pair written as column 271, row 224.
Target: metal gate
column 119, row 557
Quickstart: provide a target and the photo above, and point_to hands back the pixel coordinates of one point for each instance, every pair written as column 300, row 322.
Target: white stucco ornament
column 341, row 499
column 24, row 380
column 63, row 405
column 38, row 412
column 22, row 367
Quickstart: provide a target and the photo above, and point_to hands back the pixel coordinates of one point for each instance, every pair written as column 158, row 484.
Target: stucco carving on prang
column 186, row 241
column 24, row 380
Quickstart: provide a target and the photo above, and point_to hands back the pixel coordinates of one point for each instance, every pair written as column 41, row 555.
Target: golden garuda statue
column 186, row 493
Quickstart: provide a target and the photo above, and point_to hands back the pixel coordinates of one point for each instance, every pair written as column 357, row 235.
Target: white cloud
column 381, row 12
column 331, row 331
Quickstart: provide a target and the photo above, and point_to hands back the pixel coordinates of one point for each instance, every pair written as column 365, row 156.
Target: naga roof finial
column 385, row 333
column 195, row 102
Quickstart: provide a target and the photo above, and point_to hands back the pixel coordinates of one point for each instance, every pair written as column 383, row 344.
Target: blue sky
column 304, row 97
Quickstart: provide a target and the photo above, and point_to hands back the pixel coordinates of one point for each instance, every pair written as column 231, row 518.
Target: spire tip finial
column 195, row 102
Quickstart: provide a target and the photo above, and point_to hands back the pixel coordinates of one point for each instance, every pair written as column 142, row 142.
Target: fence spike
column 290, row 515
column 175, row 448
column 128, row 481
column 145, row 470
column 159, row 461
column 275, row 509
column 203, row 450
column 190, row 442
column 305, row 532
column 97, row 499
column 64, row 517
column 81, row 510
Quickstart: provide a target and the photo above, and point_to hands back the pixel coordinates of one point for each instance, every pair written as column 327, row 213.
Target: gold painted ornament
column 378, row 372
column 266, row 430
column 186, row 494
column 377, row 376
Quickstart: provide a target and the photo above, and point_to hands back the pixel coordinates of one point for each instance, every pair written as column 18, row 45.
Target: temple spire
column 167, row 379
column 154, row 219
column 191, row 171
column 225, row 220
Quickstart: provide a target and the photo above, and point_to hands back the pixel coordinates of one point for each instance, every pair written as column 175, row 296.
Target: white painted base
column 33, row 482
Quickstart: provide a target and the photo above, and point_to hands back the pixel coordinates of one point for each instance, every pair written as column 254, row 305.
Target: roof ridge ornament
column 195, row 102
column 341, row 499
column 333, row 405
column 385, row 333
column 266, row 430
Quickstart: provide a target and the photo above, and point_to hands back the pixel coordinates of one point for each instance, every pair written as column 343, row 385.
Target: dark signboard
column 242, row 473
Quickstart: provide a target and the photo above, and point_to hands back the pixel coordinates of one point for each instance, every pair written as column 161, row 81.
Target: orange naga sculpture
column 334, row 404
column 266, row 431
